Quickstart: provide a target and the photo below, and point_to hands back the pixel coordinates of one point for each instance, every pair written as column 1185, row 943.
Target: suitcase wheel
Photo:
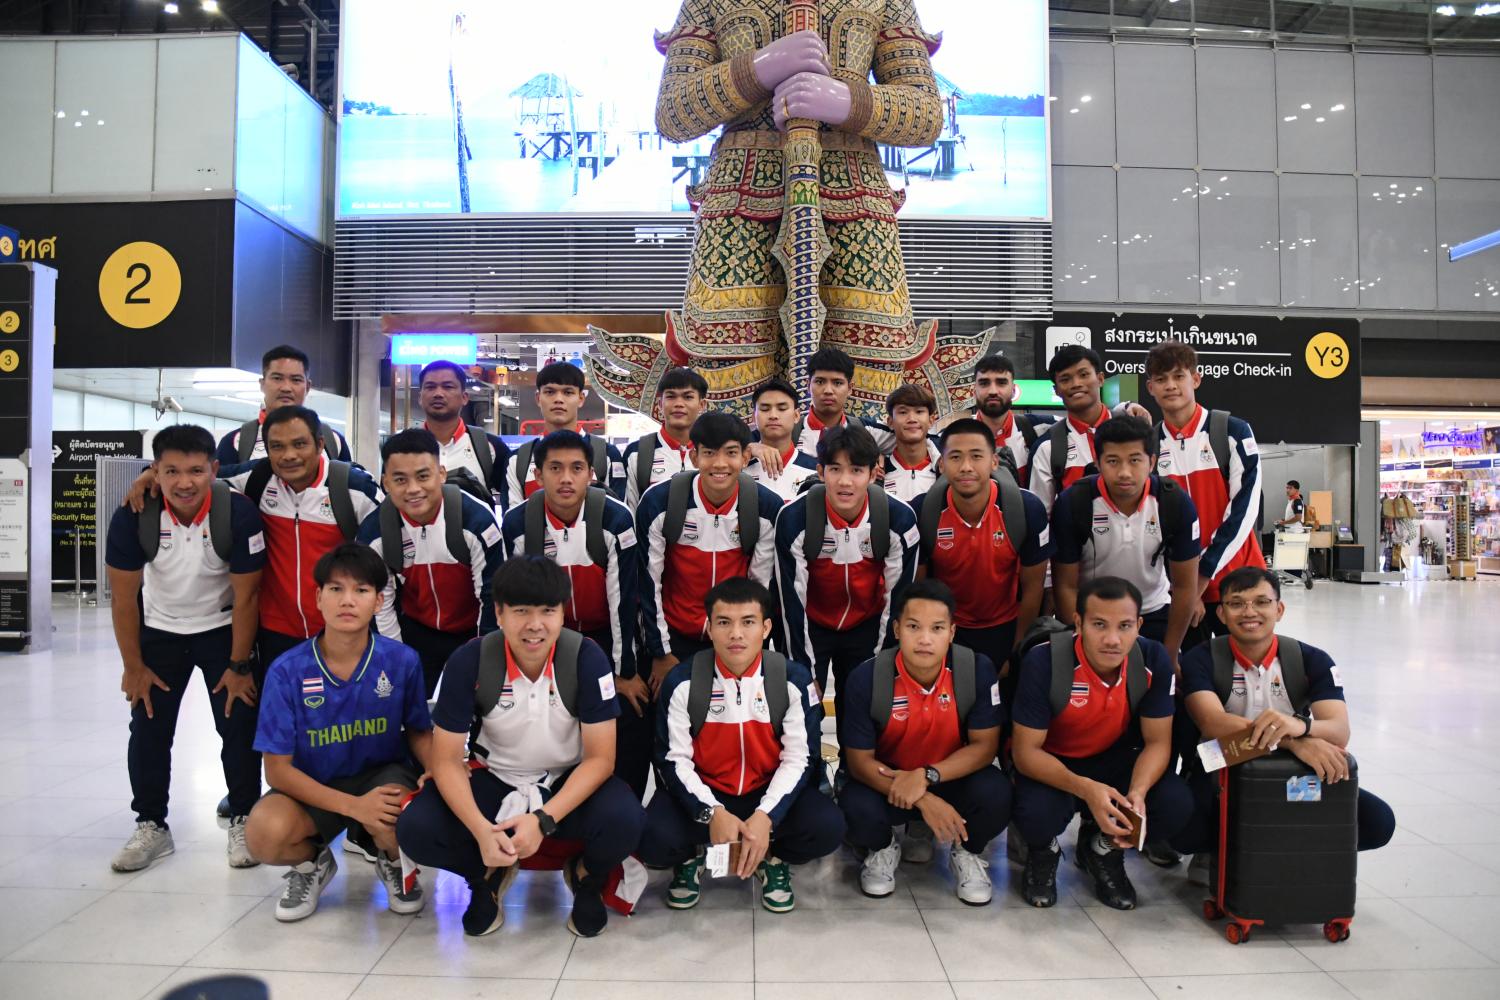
column 1336, row 931
column 1236, row 933
column 1211, row 910
column 1307, row 579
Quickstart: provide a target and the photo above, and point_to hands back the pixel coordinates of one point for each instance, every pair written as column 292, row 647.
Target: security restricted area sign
column 1296, row 380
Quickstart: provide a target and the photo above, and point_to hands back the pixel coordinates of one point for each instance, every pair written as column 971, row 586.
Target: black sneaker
column 1160, row 854
column 485, row 915
column 222, row 812
column 1039, row 877
column 1111, row 884
column 589, row 913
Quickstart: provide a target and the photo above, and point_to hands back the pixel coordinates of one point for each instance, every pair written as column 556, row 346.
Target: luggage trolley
column 1310, row 904
column 1291, row 554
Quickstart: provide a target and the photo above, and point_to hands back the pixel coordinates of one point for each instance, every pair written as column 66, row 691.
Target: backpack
column 678, row 489
column 701, row 686
column 645, row 458
column 1293, row 672
column 250, row 433
column 491, row 680
column 535, row 521
column 1063, row 665
column 392, row 530
column 1218, row 438
column 484, row 452
column 1012, row 511
column 1169, row 501
column 1028, row 432
column 883, row 685
column 817, row 519
column 465, row 480
column 337, row 484
column 596, row 443
column 220, row 530
column 1044, row 629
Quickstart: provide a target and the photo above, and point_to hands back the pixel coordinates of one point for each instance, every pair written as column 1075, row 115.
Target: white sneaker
column 304, row 884
column 351, row 846
column 878, row 877
column 399, row 899
column 149, row 842
column 917, row 846
column 239, row 853
column 971, row 873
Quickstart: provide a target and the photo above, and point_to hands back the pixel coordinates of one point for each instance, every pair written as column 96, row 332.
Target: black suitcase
column 1282, row 861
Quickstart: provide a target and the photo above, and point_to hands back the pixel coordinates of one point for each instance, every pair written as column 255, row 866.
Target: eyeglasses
column 1259, row 604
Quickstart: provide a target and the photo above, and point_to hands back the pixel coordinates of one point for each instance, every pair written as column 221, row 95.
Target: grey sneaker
column 238, row 851
column 877, row 878
column 304, row 884
column 399, row 899
column 917, row 845
column 971, row 875
column 149, row 842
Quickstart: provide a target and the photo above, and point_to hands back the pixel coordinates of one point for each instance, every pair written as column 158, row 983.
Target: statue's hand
column 807, row 95
column 802, row 52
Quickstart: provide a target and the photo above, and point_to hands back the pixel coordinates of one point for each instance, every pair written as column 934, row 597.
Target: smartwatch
column 546, row 822
column 242, row 667
column 932, row 775
column 1306, row 721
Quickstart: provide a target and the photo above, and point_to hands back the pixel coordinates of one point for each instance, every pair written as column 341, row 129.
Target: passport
column 1228, row 751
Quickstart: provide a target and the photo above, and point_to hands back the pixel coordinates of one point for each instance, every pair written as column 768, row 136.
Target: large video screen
column 478, row 106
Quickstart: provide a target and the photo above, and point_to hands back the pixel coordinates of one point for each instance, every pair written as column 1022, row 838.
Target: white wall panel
column 1393, row 112
column 26, row 115
column 1466, row 209
column 1083, row 106
column 1397, row 243
column 104, row 138
column 1466, row 90
column 1158, row 236
column 1315, row 111
column 1085, row 266
column 1238, row 219
column 1156, row 116
column 1319, row 241
column 195, row 87
column 1236, row 108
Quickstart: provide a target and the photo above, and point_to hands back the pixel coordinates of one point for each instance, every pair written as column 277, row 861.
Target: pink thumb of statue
column 802, row 52
column 807, row 95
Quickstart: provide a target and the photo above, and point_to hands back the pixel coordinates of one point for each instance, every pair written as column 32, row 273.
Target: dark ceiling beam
column 1148, row 18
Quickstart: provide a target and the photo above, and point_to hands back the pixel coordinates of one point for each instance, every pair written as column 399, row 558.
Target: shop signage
column 74, row 481
column 1487, row 462
column 1400, row 466
column 424, row 348
column 1295, row 380
column 1454, row 437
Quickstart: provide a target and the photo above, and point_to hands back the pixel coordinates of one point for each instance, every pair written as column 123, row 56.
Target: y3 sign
column 1295, row 380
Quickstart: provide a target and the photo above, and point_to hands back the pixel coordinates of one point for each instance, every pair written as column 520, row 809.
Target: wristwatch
column 546, row 822
column 1306, row 721
column 706, row 814
column 932, row 776
column 242, row 667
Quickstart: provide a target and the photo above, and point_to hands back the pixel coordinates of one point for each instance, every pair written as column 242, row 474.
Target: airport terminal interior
column 934, row 499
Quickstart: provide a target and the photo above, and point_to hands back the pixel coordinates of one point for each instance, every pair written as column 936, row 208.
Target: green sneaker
column 775, row 878
column 684, row 893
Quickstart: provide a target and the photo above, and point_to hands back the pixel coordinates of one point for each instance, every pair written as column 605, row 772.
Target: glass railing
column 1409, row 22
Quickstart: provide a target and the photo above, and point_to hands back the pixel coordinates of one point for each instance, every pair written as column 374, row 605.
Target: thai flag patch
column 166, row 534
column 1079, row 696
column 899, row 706
column 312, row 685
column 945, row 534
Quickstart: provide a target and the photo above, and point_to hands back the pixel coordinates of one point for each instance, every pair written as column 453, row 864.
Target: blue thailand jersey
column 336, row 729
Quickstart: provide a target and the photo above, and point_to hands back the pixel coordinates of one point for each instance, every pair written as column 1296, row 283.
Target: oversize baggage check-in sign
column 1295, row 380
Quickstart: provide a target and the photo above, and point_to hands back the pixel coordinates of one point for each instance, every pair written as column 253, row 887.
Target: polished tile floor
column 1422, row 663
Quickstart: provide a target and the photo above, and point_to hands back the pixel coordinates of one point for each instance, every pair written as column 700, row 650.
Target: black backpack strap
column 1012, row 510
column 565, row 668
column 1136, row 680
column 778, row 700
column 148, row 526
column 484, row 452
column 340, row 500
column 1223, row 657
column 453, row 523
column 1169, row 511
column 1028, row 430
column 491, row 676
column 933, row 505
column 330, row 444
column 1058, row 435
column 1082, row 511
column 797, row 430
column 678, row 491
column 1293, row 671
column 1218, row 439
column 220, row 519
column 880, row 523
column 700, row 688
column 817, row 521
column 1063, row 664
column 601, row 460
column 593, row 527
column 535, row 524
column 645, row 458
column 883, row 688
column 749, row 511
column 523, row 463
column 962, row 663
column 258, row 480
column 391, row 536
column 245, row 443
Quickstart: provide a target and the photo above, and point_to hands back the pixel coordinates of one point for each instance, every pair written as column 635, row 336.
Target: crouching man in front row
column 541, row 702
column 1093, row 733
column 737, row 736
column 342, row 718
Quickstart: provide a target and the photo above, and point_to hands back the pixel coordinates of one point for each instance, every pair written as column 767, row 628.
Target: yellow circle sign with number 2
column 1327, row 355
column 139, row 285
